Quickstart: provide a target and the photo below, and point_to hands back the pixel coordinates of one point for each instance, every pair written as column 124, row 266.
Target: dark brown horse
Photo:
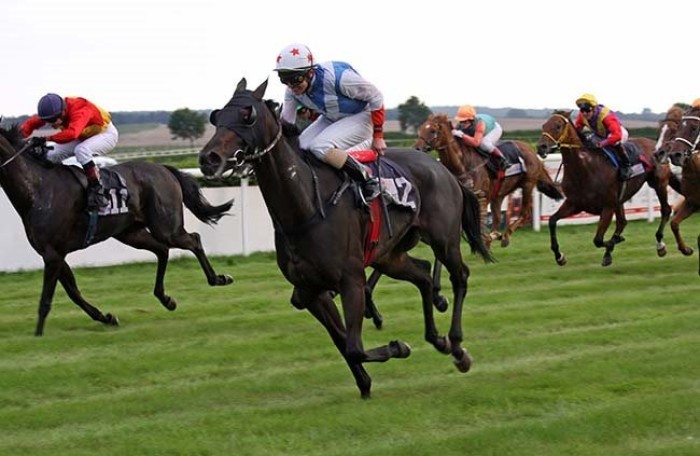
column 682, row 150
column 320, row 230
column 51, row 202
column 470, row 168
column 591, row 183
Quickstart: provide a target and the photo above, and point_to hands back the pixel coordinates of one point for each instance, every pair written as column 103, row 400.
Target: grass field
column 573, row 360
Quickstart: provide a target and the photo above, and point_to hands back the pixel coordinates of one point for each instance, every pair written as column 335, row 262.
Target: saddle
column 638, row 161
column 113, row 188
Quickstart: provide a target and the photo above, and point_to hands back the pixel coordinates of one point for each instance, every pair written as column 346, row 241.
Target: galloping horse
column 682, row 150
column 590, row 183
column 470, row 168
column 320, row 229
column 51, row 203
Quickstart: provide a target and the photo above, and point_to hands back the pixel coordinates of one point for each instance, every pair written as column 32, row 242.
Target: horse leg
column 495, row 206
column 565, row 210
column 371, row 310
column 439, row 301
column 662, row 194
column 620, row 225
column 193, row 243
column 525, row 214
column 67, row 279
column 52, row 269
column 682, row 212
column 403, row 267
column 322, row 307
column 603, row 224
column 143, row 240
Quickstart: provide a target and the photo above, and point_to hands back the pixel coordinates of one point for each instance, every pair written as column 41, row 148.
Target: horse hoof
column 378, row 322
column 169, row 303
column 561, row 261
column 441, row 303
column 443, row 345
column 399, row 349
column 465, row 363
column 661, row 252
column 687, row 251
column 224, row 279
column 111, row 320
column 607, row 261
column 505, row 242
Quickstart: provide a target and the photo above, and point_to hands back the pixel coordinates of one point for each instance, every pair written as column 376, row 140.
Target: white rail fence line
column 248, row 228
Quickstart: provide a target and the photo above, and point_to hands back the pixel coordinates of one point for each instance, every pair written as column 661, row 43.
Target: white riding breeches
column 349, row 133
column 85, row 149
column 489, row 141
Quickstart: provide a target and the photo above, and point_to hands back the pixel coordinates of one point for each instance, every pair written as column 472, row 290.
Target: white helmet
column 294, row 57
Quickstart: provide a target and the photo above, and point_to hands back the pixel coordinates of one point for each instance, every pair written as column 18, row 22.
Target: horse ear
column 260, row 91
column 213, row 115
column 241, row 86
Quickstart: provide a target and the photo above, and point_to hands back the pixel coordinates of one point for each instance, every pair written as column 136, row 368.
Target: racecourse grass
column 573, row 360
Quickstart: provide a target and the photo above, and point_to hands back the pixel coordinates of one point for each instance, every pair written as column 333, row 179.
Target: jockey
column 84, row 130
column 350, row 111
column 601, row 128
column 482, row 131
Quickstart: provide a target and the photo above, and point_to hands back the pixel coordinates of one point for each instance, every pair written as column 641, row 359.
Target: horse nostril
column 212, row 159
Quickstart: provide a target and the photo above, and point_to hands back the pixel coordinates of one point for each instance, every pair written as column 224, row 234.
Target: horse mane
column 13, row 135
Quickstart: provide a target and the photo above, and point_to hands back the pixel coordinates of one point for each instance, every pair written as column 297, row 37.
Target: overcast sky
column 136, row 55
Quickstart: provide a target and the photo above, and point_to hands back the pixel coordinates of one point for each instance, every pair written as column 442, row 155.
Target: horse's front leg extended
column 352, row 296
column 565, row 210
column 52, row 268
column 67, row 279
column 598, row 240
column 682, row 212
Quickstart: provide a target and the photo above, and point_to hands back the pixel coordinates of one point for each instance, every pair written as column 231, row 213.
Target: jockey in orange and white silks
column 351, row 108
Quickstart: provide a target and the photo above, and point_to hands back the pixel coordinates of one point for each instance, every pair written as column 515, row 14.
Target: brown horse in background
column 682, row 150
column 591, row 183
column 470, row 168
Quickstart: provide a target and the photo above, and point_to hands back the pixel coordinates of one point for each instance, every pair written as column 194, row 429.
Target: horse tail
column 195, row 201
column 471, row 225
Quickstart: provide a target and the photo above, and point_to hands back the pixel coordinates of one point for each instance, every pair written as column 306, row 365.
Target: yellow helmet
column 587, row 98
column 465, row 112
column 696, row 103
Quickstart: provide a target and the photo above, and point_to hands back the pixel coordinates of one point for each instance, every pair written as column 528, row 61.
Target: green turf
column 573, row 360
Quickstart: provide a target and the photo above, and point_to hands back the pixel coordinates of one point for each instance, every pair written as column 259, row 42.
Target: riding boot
column 499, row 159
column 95, row 197
column 625, row 166
column 358, row 172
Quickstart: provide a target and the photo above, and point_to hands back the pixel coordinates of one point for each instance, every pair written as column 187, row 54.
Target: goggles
column 585, row 107
column 292, row 79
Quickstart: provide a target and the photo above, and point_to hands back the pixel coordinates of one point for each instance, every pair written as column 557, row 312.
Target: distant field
column 159, row 135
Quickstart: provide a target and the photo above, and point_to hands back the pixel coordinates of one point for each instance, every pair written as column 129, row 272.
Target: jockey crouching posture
column 601, row 128
column 482, row 131
column 351, row 111
column 85, row 130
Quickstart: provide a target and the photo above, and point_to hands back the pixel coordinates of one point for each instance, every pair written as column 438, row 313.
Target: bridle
column 692, row 145
column 558, row 143
column 16, row 154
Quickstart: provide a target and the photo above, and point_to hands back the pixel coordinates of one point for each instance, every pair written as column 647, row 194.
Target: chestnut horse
column 320, row 230
column 469, row 166
column 591, row 183
column 682, row 150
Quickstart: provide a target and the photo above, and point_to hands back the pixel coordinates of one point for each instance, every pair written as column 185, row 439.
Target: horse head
column 246, row 129
column 436, row 133
column 686, row 139
column 558, row 132
column 668, row 126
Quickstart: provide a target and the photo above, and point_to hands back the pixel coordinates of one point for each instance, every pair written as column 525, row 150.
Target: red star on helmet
column 295, row 51
column 309, row 58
